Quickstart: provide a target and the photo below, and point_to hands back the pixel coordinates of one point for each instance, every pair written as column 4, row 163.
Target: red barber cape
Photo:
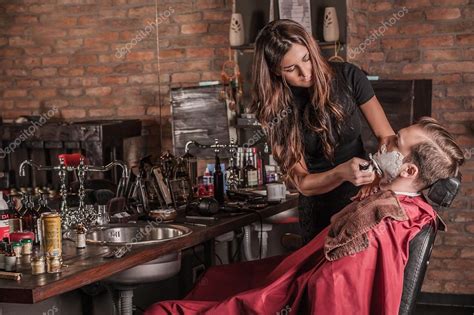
column 305, row 282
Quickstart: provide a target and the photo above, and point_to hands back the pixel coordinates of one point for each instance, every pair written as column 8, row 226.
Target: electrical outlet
column 198, row 271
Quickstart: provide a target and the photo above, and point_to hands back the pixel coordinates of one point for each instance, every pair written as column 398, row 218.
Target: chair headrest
column 443, row 191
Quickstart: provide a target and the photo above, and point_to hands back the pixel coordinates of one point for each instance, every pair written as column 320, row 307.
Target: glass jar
column 26, row 246
column 53, row 264
column 17, row 249
column 37, row 265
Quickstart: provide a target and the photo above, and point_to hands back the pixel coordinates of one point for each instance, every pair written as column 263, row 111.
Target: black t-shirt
column 350, row 88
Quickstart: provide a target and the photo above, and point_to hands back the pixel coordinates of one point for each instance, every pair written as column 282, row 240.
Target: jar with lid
column 26, row 246
column 17, row 249
column 53, row 264
column 37, row 265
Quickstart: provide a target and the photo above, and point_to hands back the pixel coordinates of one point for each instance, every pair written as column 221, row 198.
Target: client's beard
column 390, row 163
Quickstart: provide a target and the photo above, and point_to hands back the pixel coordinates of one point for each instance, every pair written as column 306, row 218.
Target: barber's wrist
column 385, row 138
column 339, row 174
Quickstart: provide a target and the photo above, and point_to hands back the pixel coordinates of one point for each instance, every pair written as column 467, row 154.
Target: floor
column 423, row 309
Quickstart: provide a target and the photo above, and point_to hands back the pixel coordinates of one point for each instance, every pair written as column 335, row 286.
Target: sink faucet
column 33, row 165
column 123, row 182
column 62, row 169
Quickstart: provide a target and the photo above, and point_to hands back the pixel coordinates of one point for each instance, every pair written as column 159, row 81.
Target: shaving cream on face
column 389, row 162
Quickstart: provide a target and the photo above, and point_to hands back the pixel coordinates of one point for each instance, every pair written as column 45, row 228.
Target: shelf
column 244, row 48
column 249, row 48
column 248, row 126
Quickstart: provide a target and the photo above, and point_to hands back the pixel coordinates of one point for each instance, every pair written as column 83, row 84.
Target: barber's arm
column 320, row 183
column 377, row 119
column 381, row 128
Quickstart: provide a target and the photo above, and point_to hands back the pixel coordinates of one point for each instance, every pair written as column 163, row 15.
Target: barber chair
column 441, row 194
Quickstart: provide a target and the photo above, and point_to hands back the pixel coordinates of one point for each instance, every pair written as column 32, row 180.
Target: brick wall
column 430, row 39
column 98, row 59
column 70, row 55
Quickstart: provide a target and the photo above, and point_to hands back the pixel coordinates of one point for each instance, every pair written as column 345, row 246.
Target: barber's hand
column 368, row 190
column 351, row 172
column 384, row 140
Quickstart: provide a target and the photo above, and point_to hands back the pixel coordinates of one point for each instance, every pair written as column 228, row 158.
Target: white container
column 236, row 31
column 3, row 203
column 276, row 192
column 331, row 25
column 10, row 263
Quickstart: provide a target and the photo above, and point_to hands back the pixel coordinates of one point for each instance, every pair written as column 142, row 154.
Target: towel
column 349, row 228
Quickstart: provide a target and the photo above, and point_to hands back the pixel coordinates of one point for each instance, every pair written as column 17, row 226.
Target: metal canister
column 51, row 225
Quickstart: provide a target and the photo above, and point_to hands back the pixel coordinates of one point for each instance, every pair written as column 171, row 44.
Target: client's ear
column 409, row 170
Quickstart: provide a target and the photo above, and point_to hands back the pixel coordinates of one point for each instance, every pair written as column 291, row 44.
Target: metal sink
column 287, row 216
column 131, row 234
column 162, row 268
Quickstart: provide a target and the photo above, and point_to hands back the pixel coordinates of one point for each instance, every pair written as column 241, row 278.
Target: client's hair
column 436, row 159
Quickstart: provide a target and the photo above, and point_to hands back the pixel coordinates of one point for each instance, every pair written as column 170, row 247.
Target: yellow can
column 51, row 225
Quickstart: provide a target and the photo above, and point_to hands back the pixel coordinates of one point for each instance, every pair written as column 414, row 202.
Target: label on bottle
column 252, row 178
column 4, row 228
column 39, row 227
column 81, row 240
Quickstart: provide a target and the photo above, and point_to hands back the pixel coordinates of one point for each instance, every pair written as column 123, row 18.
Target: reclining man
column 354, row 266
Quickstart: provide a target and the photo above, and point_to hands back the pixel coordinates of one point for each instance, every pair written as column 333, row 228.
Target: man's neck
column 399, row 185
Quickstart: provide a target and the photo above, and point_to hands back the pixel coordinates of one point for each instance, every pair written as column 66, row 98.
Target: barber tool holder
column 233, row 180
column 215, row 145
column 71, row 216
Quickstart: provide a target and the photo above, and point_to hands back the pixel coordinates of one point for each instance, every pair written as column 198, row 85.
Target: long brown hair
column 272, row 95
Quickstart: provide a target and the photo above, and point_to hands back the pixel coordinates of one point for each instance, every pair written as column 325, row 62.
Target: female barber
column 318, row 144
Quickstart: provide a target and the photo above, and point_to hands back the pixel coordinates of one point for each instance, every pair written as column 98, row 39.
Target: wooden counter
column 88, row 265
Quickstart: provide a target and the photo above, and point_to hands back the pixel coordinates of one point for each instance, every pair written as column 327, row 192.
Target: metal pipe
column 33, row 165
column 123, row 182
column 108, row 167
